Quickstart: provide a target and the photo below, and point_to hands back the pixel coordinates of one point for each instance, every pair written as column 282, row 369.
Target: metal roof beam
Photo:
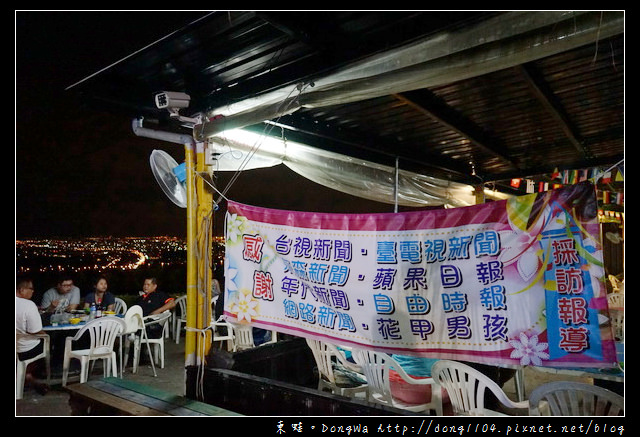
column 432, row 106
column 547, row 98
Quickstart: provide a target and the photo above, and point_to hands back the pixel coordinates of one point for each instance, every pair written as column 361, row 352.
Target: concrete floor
column 172, row 379
column 56, row 402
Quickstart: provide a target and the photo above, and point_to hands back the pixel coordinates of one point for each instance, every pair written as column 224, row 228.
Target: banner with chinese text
column 517, row 282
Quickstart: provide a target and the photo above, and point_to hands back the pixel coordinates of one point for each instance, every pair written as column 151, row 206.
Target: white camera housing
column 172, row 100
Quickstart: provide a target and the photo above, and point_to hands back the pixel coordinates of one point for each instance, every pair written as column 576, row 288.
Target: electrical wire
column 599, row 175
column 201, row 366
column 285, row 105
column 203, row 258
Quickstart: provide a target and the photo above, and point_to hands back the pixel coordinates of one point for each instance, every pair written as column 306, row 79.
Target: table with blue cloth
column 415, row 366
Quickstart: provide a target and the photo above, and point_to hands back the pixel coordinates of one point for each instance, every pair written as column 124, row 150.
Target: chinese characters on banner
column 516, row 282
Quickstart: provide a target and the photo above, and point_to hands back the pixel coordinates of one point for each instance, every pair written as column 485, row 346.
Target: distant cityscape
column 45, row 258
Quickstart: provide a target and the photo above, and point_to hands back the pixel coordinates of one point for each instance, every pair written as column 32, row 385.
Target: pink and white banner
column 516, row 282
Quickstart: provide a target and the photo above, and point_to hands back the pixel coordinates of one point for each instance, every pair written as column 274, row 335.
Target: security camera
column 172, row 100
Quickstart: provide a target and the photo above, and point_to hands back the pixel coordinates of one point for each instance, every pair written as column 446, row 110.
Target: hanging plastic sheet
column 240, row 150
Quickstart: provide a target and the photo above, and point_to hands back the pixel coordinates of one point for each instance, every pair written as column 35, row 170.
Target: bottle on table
column 92, row 312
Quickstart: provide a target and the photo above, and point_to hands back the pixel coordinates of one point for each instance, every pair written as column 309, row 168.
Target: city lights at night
column 103, row 254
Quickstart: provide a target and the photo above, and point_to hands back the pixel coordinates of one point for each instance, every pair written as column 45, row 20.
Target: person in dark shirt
column 100, row 295
column 154, row 301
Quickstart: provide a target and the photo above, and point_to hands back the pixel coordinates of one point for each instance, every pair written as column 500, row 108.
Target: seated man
column 64, row 296
column 28, row 322
column 153, row 301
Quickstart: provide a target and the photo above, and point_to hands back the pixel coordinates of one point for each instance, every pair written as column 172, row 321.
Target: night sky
column 82, row 173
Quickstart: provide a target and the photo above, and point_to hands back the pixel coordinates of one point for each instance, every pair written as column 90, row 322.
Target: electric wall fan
column 170, row 176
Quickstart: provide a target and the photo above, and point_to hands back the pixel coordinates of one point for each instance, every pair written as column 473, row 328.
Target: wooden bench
column 119, row 397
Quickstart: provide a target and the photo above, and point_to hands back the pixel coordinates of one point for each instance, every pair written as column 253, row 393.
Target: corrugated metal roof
column 564, row 110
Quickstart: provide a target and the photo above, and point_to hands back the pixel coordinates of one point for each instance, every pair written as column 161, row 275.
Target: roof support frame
column 545, row 96
column 430, row 105
column 506, row 41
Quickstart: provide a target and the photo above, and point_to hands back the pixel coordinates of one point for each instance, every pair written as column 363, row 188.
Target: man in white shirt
column 64, row 295
column 28, row 321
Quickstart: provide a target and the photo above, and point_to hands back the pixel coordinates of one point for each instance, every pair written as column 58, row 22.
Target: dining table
column 65, row 324
column 63, row 327
column 58, row 333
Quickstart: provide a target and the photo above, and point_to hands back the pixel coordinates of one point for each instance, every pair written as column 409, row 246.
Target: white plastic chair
column 21, row 366
column 615, row 300
column 120, row 307
column 564, row 398
column 376, row 366
column 243, row 337
column 616, row 313
column 102, row 335
column 179, row 317
column 617, row 323
column 326, row 356
column 466, row 387
column 133, row 334
column 219, row 337
column 158, row 343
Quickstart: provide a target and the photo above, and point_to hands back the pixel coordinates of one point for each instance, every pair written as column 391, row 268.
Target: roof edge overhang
column 500, row 42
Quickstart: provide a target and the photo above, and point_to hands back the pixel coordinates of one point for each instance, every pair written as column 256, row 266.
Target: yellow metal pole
column 479, row 193
column 204, row 230
column 199, row 274
column 192, row 273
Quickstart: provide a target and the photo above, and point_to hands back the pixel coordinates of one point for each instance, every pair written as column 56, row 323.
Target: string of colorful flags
column 609, row 200
column 560, row 178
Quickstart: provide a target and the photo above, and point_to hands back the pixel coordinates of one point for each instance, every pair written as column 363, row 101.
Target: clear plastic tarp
column 239, row 150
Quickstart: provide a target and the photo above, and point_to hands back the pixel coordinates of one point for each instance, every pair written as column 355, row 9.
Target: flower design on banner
column 244, row 306
column 230, row 279
column 234, row 225
column 529, row 350
column 522, row 247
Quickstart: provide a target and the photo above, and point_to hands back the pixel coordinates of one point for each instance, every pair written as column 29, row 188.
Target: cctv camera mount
column 173, row 101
